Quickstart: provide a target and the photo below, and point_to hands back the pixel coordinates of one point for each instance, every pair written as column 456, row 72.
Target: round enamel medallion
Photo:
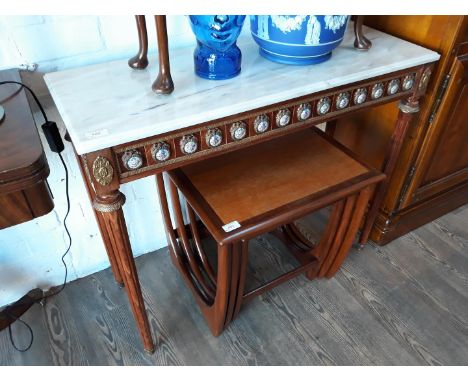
column 323, row 106
column 132, row 159
column 283, row 117
column 342, row 101
column 214, row 137
column 238, row 131
column 408, row 82
column 360, row 96
column 261, row 123
column 304, row 111
column 161, row 151
column 189, row 144
column 377, row 91
column 393, row 87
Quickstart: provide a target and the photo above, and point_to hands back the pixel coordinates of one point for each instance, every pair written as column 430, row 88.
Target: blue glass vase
column 217, row 57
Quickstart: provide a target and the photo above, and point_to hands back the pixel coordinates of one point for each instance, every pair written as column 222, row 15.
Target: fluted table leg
column 408, row 108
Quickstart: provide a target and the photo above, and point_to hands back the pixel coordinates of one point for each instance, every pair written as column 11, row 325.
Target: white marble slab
column 110, row 104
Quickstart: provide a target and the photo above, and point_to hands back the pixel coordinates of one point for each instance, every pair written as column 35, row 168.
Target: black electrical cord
column 64, row 223
column 31, row 92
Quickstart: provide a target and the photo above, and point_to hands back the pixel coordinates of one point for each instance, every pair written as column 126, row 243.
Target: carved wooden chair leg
column 360, row 42
column 408, row 108
column 163, row 83
column 140, row 60
column 113, row 259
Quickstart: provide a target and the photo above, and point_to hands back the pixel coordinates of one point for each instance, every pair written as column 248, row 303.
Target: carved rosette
column 103, row 171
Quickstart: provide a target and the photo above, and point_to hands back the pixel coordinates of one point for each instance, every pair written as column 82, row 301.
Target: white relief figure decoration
column 314, row 28
column 288, row 23
column 262, row 23
column 335, row 22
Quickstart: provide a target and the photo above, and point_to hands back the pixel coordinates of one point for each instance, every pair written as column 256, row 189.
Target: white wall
column 30, row 252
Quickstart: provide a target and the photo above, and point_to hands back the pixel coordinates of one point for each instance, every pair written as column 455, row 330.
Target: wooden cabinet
column 431, row 177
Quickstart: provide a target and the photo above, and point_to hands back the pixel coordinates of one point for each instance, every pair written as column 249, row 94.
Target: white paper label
column 231, row 226
column 97, row 133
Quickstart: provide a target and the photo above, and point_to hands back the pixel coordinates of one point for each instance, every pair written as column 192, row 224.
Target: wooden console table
column 122, row 131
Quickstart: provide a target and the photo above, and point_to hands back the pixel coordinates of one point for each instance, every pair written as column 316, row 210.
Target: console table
column 122, row 131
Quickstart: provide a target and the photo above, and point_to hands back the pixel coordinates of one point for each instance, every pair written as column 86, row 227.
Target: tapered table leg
column 109, row 207
column 99, row 168
column 407, row 110
column 105, row 238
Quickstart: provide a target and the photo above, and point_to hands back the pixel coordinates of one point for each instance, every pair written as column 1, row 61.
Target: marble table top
column 110, row 104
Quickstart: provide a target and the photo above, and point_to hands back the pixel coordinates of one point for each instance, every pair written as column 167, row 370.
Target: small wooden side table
column 253, row 191
column 24, row 193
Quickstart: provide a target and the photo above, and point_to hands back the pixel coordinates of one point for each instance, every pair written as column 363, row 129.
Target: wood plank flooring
column 402, row 304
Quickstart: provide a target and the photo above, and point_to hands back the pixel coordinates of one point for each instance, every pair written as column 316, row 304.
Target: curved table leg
column 359, row 208
column 223, row 304
column 163, row 83
column 360, row 42
column 140, row 60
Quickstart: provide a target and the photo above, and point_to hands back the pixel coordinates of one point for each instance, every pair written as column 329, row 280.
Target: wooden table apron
column 103, row 170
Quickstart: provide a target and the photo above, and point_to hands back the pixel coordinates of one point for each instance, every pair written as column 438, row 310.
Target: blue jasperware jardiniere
column 298, row 39
column 217, row 56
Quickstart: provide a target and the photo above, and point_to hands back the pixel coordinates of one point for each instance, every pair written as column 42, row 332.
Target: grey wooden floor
column 405, row 303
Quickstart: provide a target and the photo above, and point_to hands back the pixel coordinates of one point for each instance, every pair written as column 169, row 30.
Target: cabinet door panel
column 448, row 164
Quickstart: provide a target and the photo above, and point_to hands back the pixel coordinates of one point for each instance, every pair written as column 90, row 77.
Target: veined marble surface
column 110, row 104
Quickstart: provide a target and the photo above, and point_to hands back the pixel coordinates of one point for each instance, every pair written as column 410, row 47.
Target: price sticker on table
column 231, row 226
